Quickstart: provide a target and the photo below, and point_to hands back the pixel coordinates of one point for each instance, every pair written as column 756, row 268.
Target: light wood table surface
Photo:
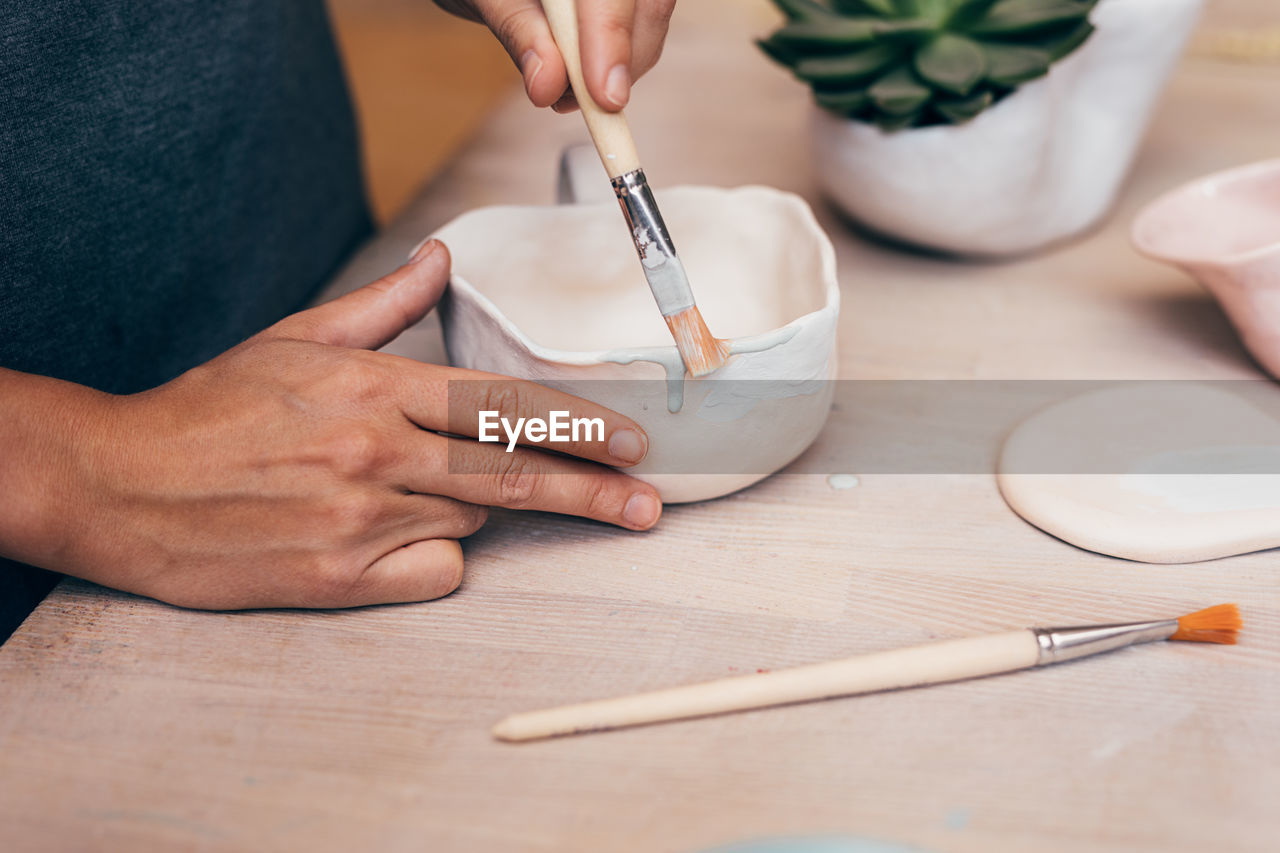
column 130, row 725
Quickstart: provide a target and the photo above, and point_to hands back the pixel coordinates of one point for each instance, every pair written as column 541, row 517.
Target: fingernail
column 530, row 65
column 617, row 86
column 627, row 445
column 642, row 510
column 423, row 249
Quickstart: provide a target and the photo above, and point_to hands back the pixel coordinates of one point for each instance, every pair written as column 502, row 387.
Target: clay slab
column 1196, row 472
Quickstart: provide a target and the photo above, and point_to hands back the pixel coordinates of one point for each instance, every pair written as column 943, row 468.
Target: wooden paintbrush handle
column 609, row 131
column 950, row 660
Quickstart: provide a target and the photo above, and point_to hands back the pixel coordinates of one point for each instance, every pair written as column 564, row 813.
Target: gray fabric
column 174, row 176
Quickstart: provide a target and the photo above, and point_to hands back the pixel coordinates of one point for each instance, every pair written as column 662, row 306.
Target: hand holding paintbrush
column 701, row 351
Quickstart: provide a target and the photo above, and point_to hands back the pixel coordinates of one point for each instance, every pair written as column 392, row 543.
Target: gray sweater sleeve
column 174, row 176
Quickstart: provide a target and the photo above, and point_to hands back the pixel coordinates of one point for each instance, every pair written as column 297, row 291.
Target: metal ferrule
column 662, row 269
column 1061, row 644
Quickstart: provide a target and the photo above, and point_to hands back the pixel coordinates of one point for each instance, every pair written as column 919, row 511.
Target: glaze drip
column 669, row 359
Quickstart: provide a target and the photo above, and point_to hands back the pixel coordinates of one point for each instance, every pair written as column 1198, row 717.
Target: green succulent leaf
column 849, row 67
column 961, row 110
column 899, row 92
column 1025, row 17
column 845, row 103
column 952, row 63
column 904, row 7
column 890, row 123
column 866, row 7
column 934, row 10
column 905, row 29
column 840, row 33
column 847, row 33
column 804, row 10
column 779, row 53
column 1010, row 65
column 914, row 63
column 1063, row 43
column 965, row 13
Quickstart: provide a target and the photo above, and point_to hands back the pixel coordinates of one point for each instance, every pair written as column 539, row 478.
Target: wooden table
column 130, row 725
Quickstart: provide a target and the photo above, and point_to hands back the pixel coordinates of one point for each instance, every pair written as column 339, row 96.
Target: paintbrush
column 950, row 660
column 700, row 351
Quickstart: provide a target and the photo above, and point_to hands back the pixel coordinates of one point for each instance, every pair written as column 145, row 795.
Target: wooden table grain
column 130, row 725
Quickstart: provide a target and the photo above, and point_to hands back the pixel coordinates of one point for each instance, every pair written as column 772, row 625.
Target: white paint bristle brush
column 950, row 660
column 701, row 351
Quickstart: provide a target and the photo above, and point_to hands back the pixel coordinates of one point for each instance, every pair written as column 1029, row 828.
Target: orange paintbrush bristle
column 1217, row 624
column 701, row 351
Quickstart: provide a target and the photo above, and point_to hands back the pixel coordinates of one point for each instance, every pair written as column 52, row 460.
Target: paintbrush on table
column 700, row 351
column 950, row 660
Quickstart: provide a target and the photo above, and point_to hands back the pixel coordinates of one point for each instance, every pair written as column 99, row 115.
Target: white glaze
column 1040, row 166
column 565, row 300
column 721, row 395
column 1177, row 494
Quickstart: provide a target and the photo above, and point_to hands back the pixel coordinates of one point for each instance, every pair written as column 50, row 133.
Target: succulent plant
column 913, row 63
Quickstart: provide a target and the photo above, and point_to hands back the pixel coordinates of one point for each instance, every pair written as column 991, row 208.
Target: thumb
column 420, row 571
column 606, row 50
column 375, row 314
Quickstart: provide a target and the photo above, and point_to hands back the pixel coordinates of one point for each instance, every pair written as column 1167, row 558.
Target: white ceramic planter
column 556, row 294
column 1043, row 164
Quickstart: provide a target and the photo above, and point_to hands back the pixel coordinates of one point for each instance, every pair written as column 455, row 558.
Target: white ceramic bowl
column 1224, row 229
column 556, row 294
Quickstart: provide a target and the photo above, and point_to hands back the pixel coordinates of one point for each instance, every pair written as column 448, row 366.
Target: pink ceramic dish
column 1224, row 229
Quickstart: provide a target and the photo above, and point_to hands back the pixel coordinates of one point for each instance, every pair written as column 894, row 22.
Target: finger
column 605, row 41
column 372, row 316
column 567, row 103
column 522, row 29
column 653, row 19
column 462, row 8
column 436, row 517
column 496, row 408
column 527, row 479
column 419, row 571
